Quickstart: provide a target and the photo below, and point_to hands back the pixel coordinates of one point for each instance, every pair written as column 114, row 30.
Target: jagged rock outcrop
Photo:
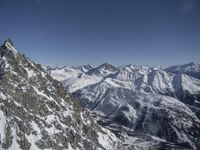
column 36, row 113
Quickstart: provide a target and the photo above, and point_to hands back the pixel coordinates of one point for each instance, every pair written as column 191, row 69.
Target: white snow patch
column 106, row 139
column 30, row 72
column 2, row 125
column 70, row 147
column 3, row 96
column 10, row 47
column 15, row 145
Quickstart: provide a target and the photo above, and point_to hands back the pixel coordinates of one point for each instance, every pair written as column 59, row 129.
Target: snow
column 64, row 73
column 111, row 82
column 30, row 72
column 185, row 68
column 2, row 125
column 113, row 101
column 36, row 123
column 191, row 84
column 35, row 127
column 9, row 46
column 140, row 78
column 73, row 78
column 7, row 65
column 50, row 118
column 197, row 102
column 70, row 147
column 131, row 113
column 52, row 131
column 103, row 140
column 106, row 139
column 74, row 84
column 3, row 96
column 85, row 121
column 43, row 94
column 113, row 93
column 15, row 145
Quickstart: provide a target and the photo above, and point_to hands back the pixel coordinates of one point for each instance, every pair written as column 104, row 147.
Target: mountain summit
column 36, row 113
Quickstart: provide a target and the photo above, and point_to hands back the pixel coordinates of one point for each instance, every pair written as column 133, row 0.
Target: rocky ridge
column 36, row 112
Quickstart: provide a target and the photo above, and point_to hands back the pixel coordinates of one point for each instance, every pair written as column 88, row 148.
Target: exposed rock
column 36, row 112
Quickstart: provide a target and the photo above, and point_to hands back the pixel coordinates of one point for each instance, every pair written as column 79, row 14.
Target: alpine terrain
column 97, row 107
column 36, row 113
column 151, row 107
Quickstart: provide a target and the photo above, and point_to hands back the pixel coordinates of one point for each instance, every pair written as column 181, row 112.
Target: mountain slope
column 146, row 106
column 142, row 78
column 143, row 113
column 191, row 69
column 36, row 113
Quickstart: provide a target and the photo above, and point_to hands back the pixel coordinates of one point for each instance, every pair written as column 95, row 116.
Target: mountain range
column 137, row 100
column 133, row 107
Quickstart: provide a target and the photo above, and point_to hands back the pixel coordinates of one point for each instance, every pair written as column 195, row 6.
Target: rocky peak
column 103, row 70
column 107, row 66
column 9, row 41
column 36, row 113
column 8, row 46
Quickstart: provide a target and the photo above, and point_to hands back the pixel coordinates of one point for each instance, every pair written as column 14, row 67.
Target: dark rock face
column 36, row 113
column 101, row 70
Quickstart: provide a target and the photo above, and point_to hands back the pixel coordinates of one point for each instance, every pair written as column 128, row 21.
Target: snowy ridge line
column 152, row 102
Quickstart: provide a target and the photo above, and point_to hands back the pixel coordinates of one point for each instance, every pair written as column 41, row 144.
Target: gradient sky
column 151, row 32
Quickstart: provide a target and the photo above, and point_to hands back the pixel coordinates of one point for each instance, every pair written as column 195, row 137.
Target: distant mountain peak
column 191, row 63
column 190, row 68
column 107, row 66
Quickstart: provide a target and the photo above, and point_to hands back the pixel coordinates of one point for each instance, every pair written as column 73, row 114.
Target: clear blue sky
column 119, row 32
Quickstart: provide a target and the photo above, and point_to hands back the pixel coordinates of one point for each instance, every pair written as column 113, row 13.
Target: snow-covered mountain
column 36, row 113
column 132, row 107
column 141, row 101
column 189, row 69
column 143, row 78
column 143, row 113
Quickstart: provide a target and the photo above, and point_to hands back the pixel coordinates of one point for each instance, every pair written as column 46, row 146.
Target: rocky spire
column 8, row 45
column 36, row 113
column 9, row 40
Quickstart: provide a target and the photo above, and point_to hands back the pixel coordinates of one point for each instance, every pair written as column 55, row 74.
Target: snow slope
column 146, row 106
column 143, row 113
column 143, row 78
column 189, row 69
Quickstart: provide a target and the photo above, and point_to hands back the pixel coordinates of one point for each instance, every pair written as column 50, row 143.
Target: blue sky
column 151, row 32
